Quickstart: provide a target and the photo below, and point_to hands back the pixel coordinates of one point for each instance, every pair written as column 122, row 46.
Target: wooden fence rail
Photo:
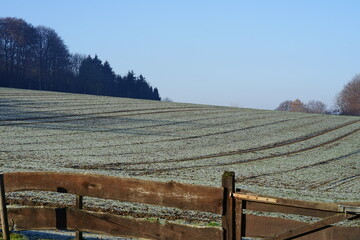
column 234, row 206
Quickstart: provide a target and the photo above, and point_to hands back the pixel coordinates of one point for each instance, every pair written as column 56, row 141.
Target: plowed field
column 295, row 155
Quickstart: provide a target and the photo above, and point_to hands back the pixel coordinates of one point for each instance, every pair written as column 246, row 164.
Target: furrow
column 106, row 139
column 146, row 172
column 100, row 117
column 250, row 150
column 328, row 161
column 77, row 115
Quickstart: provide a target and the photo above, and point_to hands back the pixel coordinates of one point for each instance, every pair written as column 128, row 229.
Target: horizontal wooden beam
column 312, row 227
column 254, row 198
column 265, row 227
column 267, row 207
column 42, row 218
column 333, row 207
column 169, row 194
column 32, row 218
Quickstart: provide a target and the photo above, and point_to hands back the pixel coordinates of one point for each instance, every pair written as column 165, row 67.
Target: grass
column 15, row 236
column 214, row 224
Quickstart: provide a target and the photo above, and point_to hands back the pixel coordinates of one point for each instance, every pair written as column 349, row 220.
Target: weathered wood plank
column 289, row 202
column 108, row 224
column 3, row 210
column 228, row 216
column 37, row 218
column 265, row 207
column 262, row 227
column 170, row 194
column 79, row 205
column 312, row 227
column 239, row 218
column 254, row 198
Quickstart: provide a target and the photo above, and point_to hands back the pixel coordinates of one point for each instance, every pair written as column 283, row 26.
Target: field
column 293, row 155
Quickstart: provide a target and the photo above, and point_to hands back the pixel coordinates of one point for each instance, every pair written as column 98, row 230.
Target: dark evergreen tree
column 156, row 95
column 91, row 76
column 128, row 85
column 37, row 58
column 108, row 79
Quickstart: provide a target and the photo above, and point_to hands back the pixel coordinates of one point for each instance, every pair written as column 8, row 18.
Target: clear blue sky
column 252, row 53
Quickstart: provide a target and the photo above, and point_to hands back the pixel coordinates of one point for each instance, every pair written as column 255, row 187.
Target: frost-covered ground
column 303, row 156
column 293, row 155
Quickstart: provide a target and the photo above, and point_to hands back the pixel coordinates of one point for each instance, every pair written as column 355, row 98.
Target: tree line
column 347, row 102
column 37, row 58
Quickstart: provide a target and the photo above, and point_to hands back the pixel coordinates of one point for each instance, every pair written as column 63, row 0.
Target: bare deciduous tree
column 53, row 57
column 298, row 106
column 314, row 106
column 284, row 106
column 167, row 100
column 75, row 63
column 17, row 41
column 348, row 100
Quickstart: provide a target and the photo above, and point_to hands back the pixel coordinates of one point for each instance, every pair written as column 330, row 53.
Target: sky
column 252, row 54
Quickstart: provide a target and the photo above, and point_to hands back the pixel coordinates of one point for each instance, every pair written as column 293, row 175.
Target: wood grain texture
column 79, row 205
column 31, row 218
column 311, row 227
column 169, row 194
column 262, row 227
column 228, row 216
column 265, row 207
column 332, row 207
column 239, row 218
column 3, row 211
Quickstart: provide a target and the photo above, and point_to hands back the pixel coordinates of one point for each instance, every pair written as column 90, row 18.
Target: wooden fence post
column 228, row 216
column 79, row 205
column 239, row 206
column 3, row 211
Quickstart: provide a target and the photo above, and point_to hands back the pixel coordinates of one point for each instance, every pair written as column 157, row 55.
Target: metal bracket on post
column 349, row 209
column 3, row 210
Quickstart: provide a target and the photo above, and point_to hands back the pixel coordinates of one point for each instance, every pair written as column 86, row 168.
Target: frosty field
column 294, row 155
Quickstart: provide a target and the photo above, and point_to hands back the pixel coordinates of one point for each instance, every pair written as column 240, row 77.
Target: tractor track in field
column 80, row 115
column 131, row 153
column 231, row 153
column 50, row 110
column 53, row 100
column 99, row 130
column 44, row 106
column 230, row 131
column 328, row 161
column 147, row 172
column 177, row 139
column 120, row 129
column 338, row 182
column 334, row 182
column 114, row 129
column 99, row 117
column 149, row 142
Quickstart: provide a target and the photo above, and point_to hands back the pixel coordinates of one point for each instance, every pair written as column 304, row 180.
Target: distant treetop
column 298, row 106
column 348, row 100
column 37, row 58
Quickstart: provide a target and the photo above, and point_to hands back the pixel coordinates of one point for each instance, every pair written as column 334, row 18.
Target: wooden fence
column 234, row 206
